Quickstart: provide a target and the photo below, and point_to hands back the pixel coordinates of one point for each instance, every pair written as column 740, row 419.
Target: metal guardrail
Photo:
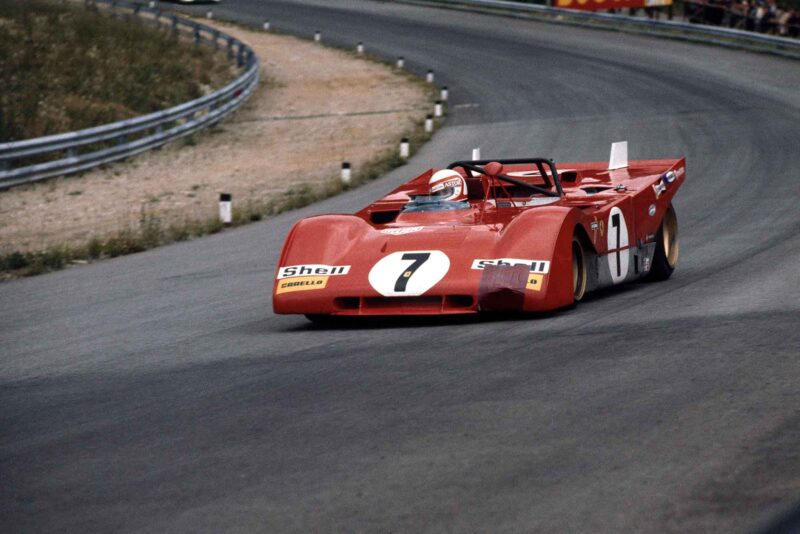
column 153, row 130
column 708, row 34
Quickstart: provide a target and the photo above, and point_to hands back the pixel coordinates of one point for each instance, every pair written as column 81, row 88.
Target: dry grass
column 315, row 108
column 151, row 231
column 65, row 68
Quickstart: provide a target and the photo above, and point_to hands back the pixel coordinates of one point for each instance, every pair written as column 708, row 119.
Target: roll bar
column 476, row 166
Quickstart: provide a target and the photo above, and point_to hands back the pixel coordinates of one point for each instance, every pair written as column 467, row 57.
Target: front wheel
column 667, row 248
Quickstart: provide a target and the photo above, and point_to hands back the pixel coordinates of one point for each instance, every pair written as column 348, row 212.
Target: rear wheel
column 578, row 269
column 667, row 248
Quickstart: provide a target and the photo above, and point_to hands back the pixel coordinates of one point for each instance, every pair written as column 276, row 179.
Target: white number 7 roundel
column 408, row 273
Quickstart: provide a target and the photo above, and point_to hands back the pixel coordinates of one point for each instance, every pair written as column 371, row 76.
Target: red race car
column 503, row 235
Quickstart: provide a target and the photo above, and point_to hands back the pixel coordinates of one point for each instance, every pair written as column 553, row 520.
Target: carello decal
column 312, row 270
column 535, row 266
column 301, row 283
column 534, row 282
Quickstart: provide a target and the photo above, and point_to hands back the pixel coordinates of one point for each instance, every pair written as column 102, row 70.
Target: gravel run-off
column 315, row 108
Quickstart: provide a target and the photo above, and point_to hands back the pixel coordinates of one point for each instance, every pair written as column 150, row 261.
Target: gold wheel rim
column 578, row 272
column 670, row 237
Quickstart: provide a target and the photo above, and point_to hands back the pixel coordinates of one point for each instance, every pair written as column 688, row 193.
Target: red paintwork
column 483, row 231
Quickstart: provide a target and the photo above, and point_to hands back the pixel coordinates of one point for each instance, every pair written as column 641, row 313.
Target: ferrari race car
column 493, row 235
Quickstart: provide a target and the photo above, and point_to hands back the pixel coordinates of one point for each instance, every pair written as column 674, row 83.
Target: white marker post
column 429, row 124
column 429, row 77
column 152, row 4
column 401, row 62
column 476, row 154
column 346, row 175
column 405, row 148
column 360, row 48
column 317, row 36
column 209, row 14
column 445, row 94
column 266, row 25
column 225, row 210
column 437, row 109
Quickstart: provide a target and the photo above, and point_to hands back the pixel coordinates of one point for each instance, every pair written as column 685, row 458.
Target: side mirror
column 494, row 168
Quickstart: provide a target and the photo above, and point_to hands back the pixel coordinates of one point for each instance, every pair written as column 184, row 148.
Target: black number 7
column 419, row 259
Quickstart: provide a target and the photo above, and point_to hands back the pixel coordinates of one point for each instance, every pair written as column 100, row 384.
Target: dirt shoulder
column 315, row 108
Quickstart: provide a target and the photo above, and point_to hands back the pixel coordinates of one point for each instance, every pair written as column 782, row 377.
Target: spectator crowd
column 764, row 16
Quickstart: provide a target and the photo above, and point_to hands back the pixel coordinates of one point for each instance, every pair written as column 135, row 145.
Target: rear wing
column 619, row 156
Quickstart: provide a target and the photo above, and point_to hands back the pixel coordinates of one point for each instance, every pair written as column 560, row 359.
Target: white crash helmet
column 447, row 184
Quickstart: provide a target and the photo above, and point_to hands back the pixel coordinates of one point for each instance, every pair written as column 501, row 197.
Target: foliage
column 68, row 67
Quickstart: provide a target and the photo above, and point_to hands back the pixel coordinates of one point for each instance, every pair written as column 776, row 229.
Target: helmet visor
column 447, row 190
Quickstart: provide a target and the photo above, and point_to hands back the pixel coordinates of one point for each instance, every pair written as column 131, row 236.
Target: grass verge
column 66, row 67
column 151, row 231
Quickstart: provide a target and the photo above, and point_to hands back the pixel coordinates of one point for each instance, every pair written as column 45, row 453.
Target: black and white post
column 209, row 14
column 438, row 110
column 429, row 77
column 317, row 36
column 266, row 25
column 346, row 173
column 360, row 48
column 429, row 124
column 405, row 148
column 476, row 154
column 401, row 62
column 225, row 210
column 152, row 4
column 445, row 94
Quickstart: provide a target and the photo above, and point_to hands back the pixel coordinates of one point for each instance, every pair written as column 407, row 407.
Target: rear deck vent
column 568, row 176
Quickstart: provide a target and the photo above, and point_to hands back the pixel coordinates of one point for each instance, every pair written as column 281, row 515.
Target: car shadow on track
column 418, row 321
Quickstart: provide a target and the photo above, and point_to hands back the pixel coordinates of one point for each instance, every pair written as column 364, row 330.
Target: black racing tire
column 579, row 276
column 665, row 258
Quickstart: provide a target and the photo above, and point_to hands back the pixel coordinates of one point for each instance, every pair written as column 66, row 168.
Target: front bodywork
column 496, row 253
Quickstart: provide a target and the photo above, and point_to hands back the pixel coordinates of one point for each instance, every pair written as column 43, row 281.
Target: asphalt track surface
column 158, row 392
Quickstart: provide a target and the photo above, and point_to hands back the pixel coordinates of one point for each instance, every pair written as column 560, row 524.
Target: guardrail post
column 240, row 55
column 216, row 39
column 71, row 152
column 230, row 47
column 174, row 24
column 196, row 34
column 4, row 164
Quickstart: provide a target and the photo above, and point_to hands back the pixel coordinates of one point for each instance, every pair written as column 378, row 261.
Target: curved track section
column 158, row 392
